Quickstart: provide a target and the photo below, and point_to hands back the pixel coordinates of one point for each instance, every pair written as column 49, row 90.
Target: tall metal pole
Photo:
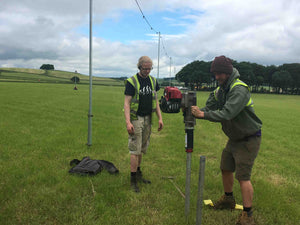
column 188, row 99
column 158, row 55
column 200, row 190
column 90, row 115
column 170, row 70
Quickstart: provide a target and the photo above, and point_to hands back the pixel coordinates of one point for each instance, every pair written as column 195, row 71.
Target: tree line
column 283, row 79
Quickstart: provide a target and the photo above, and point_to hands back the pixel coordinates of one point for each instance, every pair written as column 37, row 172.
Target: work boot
column 245, row 218
column 140, row 177
column 133, row 184
column 225, row 202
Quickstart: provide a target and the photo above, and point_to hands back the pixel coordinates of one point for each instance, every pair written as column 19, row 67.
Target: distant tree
column 122, row 78
column 294, row 70
column 246, row 71
column 269, row 71
column 281, row 80
column 47, row 67
column 75, row 78
column 195, row 74
column 286, row 77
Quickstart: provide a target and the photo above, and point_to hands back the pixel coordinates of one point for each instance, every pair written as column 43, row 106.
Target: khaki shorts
column 139, row 141
column 239, row 156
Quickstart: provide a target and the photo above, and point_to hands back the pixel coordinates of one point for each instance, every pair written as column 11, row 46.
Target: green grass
column 44, row 126
column 51, row 76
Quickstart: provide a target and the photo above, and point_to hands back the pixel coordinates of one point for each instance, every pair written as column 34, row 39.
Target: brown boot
column 133, row 183
column 225, row 202
column 245, row 219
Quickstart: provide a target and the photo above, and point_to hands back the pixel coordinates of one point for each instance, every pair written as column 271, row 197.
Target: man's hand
column 197, row 112
column 160, row 125
column 130, row 128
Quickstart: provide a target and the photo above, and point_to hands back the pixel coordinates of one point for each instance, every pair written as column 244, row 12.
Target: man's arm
column 129, row 126
column 211, row 103
column 158, row 113
column 236, row 102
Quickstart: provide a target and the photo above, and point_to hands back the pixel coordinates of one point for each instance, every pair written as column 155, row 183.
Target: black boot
column 133, row 183
column 140, row 177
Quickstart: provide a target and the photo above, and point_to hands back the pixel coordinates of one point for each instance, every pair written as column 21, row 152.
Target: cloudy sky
column 33, row 33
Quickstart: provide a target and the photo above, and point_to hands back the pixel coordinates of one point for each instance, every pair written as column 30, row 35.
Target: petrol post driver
column 171, row 102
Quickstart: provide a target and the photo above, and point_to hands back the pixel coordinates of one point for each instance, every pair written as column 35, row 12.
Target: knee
column 226, row 172
column 245, row 183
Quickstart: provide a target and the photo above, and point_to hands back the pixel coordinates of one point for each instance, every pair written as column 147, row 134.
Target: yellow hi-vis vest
column 236, row 82
column 134, row 104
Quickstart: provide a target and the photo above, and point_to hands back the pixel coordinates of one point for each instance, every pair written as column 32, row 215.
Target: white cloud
column 37, row 32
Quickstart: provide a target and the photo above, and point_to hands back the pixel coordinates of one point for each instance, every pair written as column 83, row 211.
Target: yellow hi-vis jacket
column 134, row 104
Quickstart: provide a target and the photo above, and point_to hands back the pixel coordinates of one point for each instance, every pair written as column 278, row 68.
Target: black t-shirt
column 145, row 95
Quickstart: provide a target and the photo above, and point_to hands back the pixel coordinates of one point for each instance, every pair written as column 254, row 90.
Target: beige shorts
column 139, row 141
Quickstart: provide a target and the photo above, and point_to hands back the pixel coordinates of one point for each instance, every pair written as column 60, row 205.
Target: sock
column 229, row 193
column 248, row 210
column 139, row 169
column 133, row 174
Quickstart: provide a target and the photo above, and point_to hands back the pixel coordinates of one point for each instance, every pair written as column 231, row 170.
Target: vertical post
column 89, row 143
column 189, row 149
column 158, row 55
column 170, row 71
column 188, row 99
column 200, row 190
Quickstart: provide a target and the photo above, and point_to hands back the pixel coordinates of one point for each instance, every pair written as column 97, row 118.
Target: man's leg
column 133, row 163
column 133, row 170
column 135, row 145
column 227, row 166
column 245, row 160
column 247, row 192
column 146, row 132
column 227, row 178
column 139, row 160
column 227, row 200
column 247, row 195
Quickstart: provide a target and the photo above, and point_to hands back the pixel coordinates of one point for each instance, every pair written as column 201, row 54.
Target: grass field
column 44, row 126
column 51, row 76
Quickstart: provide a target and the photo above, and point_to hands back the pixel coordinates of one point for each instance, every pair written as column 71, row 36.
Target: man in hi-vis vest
column 232, row 106
column 139, row 105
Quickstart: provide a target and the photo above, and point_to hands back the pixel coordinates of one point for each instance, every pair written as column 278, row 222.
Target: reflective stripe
column 239, row 82
column 154, row 94
column 250, row 102
column 216, row 92
column 236, row 82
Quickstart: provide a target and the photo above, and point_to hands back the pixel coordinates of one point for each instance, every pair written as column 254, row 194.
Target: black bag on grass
column 91, row 167
column 86, row 166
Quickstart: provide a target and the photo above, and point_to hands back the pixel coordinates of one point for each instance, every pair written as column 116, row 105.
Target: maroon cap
column 221, row 64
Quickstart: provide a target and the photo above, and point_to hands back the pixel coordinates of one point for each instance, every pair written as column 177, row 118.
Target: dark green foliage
column 284, row 79
column 195, row 74
column 47, row 67
column 281, row 80
column 75, row 79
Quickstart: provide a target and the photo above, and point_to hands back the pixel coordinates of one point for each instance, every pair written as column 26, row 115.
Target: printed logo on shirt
column 146, row 90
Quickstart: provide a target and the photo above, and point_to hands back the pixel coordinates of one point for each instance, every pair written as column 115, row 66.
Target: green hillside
column 51, row 76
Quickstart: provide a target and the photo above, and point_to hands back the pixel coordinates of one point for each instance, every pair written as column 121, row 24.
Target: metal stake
column 189, row 149
column 200, row 190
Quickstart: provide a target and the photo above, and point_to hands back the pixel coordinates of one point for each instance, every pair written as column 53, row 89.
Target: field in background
column 44, row 126
column 51, row 76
